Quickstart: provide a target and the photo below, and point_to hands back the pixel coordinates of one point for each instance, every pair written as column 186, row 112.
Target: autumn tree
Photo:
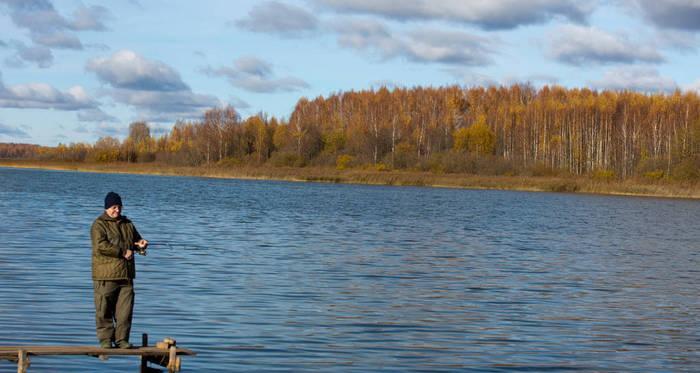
column 106, row 149
column 578, row 131
column 138, row 145
column 477, row 138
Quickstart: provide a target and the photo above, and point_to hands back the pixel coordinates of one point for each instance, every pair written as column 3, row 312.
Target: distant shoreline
column 390, row 178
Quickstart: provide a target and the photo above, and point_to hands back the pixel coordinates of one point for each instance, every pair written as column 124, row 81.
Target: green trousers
column 114, row 305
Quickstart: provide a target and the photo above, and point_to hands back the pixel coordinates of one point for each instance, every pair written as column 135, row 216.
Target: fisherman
column 114, row 242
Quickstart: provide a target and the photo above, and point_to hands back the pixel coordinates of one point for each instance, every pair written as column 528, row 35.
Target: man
column 114, row 241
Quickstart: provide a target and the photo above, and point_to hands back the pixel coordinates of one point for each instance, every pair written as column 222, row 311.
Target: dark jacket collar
column 106, row 217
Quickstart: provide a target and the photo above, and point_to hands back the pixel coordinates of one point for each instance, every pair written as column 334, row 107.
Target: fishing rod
column 142, row 251
column 163, row 244
column 173, row 245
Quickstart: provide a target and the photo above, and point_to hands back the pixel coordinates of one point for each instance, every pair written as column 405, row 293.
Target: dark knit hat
column 112, row 199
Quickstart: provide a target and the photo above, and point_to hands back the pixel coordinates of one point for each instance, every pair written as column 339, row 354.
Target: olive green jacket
column 111, row 238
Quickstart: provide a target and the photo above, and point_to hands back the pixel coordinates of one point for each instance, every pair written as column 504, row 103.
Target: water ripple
column 274, row 276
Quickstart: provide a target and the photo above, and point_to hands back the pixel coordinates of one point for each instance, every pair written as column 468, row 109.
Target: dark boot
column 124, row 344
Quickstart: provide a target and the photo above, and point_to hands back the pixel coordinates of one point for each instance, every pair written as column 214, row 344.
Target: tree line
column 496, row 130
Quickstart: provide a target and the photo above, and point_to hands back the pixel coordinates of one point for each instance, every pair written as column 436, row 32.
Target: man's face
column 114, row 211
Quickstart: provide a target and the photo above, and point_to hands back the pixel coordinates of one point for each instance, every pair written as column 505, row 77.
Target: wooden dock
column 165, row 354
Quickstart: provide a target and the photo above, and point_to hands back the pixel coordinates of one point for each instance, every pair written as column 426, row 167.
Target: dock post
column 22, row 361
column 172, row 361
column 144, row 361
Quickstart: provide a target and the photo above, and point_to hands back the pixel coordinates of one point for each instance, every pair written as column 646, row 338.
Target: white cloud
column 157, row 101
column 635, row 78
column 49, row 29
column 90, row 18
column 40, row 16
column 255, row 75
column 152, row 87
column 39, row 55
column 366, row 34
column 578, row 45
column 454, row 47
column 129, row 70
column 684, row 42
column 672, row 14
column 62, row 40
column 419, row 45
column 274, row 17
column 158, row 106
column 44, row 96
column 12, row 132
column 492, row 14
column 95, row 115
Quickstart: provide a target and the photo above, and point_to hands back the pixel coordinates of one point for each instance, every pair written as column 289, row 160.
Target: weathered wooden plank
column 164, row 354
column 10, row 352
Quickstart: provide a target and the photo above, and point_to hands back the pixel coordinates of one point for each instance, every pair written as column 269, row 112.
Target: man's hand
column 142, row 244
column 128, row 254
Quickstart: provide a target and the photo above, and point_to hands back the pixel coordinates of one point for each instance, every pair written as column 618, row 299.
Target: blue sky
column 74, row 71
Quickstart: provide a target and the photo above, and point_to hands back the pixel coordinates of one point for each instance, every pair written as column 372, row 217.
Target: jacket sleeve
column 137, row 235
column 101, row 244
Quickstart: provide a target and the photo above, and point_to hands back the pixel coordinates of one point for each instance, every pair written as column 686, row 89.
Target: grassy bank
column 412, row 178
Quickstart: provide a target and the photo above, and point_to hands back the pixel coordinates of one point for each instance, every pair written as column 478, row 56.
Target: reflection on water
column 269, row 276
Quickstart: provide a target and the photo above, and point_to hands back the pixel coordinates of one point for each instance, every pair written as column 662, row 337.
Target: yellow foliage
column 461, row 139
column 334, row 142
column 281, row 136
column 381, row 167
column 604, row 175
column 343, row 161
column 654, row 175
column 174, row 146
column 555, row 140
column 477, row 138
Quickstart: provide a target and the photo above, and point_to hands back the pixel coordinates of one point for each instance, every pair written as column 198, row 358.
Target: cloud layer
column 127, row 70
column 489, row 15
column 255, row 75
column 620, row 45
column 48, row 29
column 95, row 115
column 37, row 54
column 673, row 14
column 13, row 132
column 274, row 17
column 154, row 88
column 419, row 45
column 635, row 78
column 44, row 96
column 578, row 45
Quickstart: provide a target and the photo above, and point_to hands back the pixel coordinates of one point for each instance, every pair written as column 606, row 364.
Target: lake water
column 277, row 276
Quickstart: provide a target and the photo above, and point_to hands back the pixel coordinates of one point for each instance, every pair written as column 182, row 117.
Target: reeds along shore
column 570, row 184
